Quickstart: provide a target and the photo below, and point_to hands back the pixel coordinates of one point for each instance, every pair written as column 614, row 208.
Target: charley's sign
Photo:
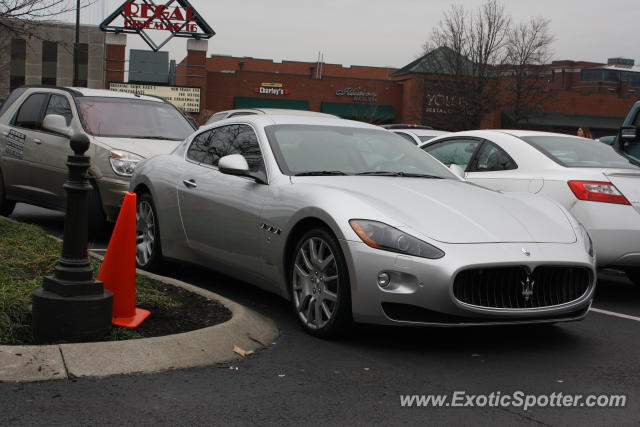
column 271, row 89
column 177, row 17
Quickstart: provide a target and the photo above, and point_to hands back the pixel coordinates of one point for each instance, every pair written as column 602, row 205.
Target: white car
column 415, row 133
column 597, row 185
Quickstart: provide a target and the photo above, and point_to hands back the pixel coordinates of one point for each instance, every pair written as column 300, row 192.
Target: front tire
column 148, row 249
column 319, row 284
column 633, row 273
column 6, row 205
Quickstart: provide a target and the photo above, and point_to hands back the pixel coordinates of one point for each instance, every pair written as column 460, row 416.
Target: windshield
column 133, row 118
column 577, row 152
column 337, row 150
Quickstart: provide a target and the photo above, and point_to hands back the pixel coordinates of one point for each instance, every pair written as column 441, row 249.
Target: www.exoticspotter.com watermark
column 517, row 399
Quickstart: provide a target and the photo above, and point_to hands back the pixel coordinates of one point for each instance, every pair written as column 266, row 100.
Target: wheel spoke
column 326, row 310
column 330, row 296
column 309, row 310
column 325, row 263
column 330, row 278
column 317, row 313
column 306, row 260
column 300, row 271
column 312, row 252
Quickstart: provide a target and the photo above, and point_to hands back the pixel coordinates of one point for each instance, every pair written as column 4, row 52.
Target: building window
column 18, row 57
column 49, row 63
column 83, row 65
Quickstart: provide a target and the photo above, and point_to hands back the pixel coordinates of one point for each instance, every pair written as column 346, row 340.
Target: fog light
column 383, row 280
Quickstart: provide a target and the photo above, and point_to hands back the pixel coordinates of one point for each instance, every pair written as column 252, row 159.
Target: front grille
column 507, row 287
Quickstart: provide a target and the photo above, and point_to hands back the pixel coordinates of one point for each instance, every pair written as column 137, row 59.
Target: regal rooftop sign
column 177, row 17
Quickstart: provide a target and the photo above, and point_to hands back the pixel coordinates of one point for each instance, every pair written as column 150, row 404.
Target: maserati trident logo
column 526, row 252
column 527, row 288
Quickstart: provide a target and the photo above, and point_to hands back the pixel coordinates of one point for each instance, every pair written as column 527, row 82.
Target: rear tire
column 633, row 273
column 319, row 284
column 97, row 221
column 6, row 205
column 148, row 248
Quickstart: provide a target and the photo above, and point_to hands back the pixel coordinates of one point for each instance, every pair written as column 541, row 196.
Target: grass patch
column 27, row 254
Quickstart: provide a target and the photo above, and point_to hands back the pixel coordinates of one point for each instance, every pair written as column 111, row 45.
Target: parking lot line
column 612, row 313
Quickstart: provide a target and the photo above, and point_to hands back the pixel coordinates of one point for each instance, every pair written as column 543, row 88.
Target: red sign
column 159, row 17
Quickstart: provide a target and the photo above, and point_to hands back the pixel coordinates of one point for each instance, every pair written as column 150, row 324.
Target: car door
column 49, row 156
column 494, row 168
column 460, row 151
column 221, row 213
column 22, row 140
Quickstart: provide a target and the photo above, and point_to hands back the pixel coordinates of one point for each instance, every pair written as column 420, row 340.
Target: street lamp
column 71, row 305
column 76, row 47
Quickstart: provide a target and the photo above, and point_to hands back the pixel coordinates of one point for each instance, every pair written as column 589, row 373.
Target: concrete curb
column 246, row 329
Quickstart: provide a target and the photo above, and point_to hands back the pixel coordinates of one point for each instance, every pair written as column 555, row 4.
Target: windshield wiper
column 320, row 173
column 401, row 174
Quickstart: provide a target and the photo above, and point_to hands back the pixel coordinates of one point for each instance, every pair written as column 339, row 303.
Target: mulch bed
column 193, row 312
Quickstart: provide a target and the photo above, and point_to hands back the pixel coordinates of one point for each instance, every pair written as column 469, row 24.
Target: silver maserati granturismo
column 351, row 222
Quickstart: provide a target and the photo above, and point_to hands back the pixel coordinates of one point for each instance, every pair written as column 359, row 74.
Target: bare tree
column 528, row 54
column 464, row 49
column 18, row 18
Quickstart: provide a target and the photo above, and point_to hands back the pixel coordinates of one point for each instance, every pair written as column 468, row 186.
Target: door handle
column 190, row 183
column 37, row 141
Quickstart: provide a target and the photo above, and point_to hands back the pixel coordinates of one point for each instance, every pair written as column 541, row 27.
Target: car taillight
column 597, row 191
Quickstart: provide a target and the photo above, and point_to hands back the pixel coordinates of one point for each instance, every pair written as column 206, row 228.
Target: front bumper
column 112, row 191
column 421, row 290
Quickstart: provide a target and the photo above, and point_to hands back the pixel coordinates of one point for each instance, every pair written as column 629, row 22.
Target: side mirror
column 236, row 164
column 629, row 133
column 457, row 170
column 57, row 124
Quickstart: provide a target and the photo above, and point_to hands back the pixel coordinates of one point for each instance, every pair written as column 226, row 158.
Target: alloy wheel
column 145, row 233
column 315, row 283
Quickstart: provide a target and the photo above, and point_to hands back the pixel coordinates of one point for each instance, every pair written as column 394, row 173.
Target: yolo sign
column 177, row 17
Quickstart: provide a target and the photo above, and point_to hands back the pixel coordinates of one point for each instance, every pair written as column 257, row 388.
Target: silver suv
column 35, row 125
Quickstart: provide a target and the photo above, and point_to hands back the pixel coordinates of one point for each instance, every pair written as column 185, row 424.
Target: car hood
column 453, row 211
column 143, row 147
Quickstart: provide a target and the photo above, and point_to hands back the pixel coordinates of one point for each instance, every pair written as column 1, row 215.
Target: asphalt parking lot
column 359, row 379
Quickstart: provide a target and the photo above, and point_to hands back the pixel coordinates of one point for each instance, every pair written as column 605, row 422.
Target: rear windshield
column 133, row 118
column 574, row 152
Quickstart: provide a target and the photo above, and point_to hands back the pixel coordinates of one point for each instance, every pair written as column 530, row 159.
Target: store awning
column 364, row 112
column 249, row 102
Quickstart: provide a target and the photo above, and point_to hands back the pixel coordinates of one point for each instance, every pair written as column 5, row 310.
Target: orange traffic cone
column 118, row 271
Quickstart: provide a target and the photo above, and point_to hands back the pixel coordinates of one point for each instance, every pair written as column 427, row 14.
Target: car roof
column 281, row 119
column 276, row 111
column 423, row 132
column 113, row 94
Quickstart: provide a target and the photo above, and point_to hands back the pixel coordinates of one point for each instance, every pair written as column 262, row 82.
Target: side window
column 30, row 112
column 15, row 94
column 493, row 158
column 405, row 136
column 59, row 105
column 209, row 146
column 456, row 151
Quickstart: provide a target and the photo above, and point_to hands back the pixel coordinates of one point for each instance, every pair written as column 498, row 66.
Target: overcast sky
column 391, row 33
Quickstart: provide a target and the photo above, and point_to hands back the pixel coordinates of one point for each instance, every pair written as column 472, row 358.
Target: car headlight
column 123, row 163
column 382, row 236
column 586, row 238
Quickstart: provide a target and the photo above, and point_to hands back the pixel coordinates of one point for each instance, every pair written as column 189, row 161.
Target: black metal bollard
column 71, row 305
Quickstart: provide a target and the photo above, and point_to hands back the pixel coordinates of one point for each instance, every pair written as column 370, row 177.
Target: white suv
column 35, row 124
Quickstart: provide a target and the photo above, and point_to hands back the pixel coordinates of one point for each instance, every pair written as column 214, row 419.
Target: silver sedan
column 598, row 186
column 351, row 222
